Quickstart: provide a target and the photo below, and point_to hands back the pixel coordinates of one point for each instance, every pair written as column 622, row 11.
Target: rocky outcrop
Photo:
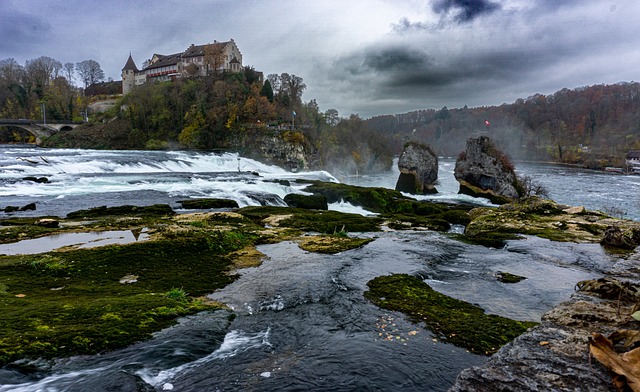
column 554, row 356
column 484, row 171
column 418, row 169
column 310, row 202
column 208, row 203
column 283, row 148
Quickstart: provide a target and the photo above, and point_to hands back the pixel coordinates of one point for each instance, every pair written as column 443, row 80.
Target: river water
column 303, row 323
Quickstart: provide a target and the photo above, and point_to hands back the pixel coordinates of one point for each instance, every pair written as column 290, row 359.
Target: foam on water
column 49, row 384
column 343, row 206
column 234, row 343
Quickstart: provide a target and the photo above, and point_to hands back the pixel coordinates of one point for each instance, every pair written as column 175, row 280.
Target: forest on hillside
column 594, row 126
column 219, row 111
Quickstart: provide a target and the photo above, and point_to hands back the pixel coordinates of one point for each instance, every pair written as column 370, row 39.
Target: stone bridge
column 38, row 129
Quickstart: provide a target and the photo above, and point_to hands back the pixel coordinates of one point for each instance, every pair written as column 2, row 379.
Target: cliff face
column 287, row 149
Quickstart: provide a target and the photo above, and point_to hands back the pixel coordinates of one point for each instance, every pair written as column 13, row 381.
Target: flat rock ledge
column 554, row 356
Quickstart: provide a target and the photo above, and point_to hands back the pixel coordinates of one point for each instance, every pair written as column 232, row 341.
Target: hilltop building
column 196, row 60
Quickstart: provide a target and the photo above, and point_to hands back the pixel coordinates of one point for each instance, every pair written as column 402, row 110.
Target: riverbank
column 555, row 355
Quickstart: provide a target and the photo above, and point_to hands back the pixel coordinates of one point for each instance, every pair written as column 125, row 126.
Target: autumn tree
column 213, row 58
column 40, row 72
column 331, row 117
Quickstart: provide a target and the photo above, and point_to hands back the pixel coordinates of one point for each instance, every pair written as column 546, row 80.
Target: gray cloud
column 361, row 56
column 464, row 10
column 20, row 31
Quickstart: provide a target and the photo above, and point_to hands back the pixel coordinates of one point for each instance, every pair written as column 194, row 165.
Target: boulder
column 310, row 202
column 208, row 203
column 40, row 180
column 418, row 169
column 484, row 171
column 28, row 207
column 47, row 222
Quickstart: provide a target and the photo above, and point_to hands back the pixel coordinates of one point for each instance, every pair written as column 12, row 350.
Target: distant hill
column 594, row 126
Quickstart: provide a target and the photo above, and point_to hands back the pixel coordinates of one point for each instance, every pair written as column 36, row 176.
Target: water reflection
column 75, row 240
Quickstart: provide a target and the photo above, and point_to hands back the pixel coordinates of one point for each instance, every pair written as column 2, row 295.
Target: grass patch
column 70, row 303
column 331, row 244
column 457, row 322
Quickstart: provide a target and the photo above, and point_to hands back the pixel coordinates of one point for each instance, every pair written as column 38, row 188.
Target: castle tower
column 129, row 75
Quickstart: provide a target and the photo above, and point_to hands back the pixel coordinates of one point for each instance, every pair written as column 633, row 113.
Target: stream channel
column 303, row 324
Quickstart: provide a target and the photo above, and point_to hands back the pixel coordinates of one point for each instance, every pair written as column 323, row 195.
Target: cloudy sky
column 358, row 56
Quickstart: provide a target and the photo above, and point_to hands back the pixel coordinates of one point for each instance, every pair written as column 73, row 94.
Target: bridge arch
column 39, row 130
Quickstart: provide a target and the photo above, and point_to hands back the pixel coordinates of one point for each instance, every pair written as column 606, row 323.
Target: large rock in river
column 418, row 169
column 484, row 171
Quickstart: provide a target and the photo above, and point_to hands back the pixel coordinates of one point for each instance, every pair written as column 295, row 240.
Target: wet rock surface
column 418, row 167
column 484, row 171
column 554, row 356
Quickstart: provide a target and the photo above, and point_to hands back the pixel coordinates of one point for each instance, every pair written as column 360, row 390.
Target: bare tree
column 274, row 80
column 89, row 72
column 68, row 71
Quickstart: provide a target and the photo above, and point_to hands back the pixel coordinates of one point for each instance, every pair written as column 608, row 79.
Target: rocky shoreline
column 555, row 355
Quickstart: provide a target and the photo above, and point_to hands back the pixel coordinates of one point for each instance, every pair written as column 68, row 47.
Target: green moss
column 314, row 220
column 128, row 210
column 70, row 303
column 506, row 277
column 203, row 204
column 17, row 232
column 373, row 199
column 456, row 217
column 312, row 202
column 456, row 321
column 331, row 244
column 412, row 222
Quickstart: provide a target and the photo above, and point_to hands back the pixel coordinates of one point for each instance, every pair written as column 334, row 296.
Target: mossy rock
column 331, row 244
column 534, row 205
column 427, row 209
column 75, row 302
column 127, row 210
column 473, row 191
column 456, row 217
column 205, row 204
column 311, row 202
column 542, row 218
column 412, row 222
column 457, row 322
column 506, row 277
column 373, row 199
column 328, row 222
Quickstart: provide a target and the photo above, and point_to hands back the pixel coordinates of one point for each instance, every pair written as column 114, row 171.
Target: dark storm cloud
column 20, row 31
column 393, row 59
column 464, row 10
column 409, row 67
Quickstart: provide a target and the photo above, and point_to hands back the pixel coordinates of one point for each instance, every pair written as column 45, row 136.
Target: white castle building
column 197, row 60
